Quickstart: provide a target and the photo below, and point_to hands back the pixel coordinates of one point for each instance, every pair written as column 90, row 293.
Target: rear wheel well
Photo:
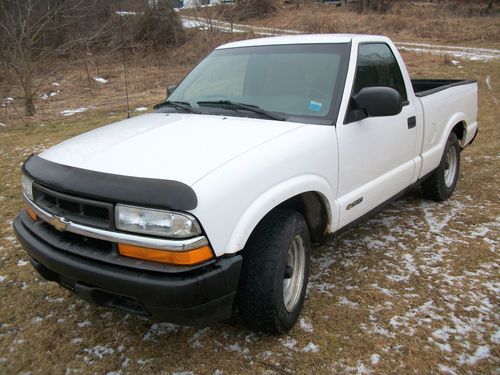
column 314, row 209
column 459, row 130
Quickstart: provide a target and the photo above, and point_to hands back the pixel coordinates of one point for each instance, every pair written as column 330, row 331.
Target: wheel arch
column 458, row 125
column 309, row 195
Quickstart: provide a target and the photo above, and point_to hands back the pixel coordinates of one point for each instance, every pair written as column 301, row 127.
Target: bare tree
column 34, row 31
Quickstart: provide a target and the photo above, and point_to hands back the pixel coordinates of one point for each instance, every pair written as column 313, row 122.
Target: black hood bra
column 147, row 192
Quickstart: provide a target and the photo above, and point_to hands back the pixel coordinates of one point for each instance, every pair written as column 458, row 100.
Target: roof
column 298, row 39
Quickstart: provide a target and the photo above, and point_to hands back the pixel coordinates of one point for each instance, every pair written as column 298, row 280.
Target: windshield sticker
column 315, row 106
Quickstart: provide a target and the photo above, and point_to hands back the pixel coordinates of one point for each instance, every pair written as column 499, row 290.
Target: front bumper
column 193, row 297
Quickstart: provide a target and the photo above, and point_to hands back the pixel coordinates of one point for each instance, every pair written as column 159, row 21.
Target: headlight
column 27, row 184
column 156, row 222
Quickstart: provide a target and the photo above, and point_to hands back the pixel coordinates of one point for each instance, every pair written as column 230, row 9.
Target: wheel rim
column 450, row 168
column 293, row 279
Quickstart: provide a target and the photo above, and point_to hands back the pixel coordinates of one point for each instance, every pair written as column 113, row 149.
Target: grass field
column 414, row 289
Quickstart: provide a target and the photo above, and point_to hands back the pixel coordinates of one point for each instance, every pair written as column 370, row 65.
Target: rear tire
column 274, row 273
column 439, row 186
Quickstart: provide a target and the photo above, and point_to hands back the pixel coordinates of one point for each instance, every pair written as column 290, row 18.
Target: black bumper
column 194, row 297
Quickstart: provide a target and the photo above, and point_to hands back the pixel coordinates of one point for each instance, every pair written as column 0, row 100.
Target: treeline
column 34, row 32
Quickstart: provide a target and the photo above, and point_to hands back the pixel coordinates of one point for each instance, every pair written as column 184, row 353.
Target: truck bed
column 424, row 87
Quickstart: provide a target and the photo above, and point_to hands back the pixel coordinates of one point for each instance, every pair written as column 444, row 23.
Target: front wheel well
column 313, row 207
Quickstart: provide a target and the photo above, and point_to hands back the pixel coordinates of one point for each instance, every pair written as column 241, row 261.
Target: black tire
column 435, row 186
column 260, row 300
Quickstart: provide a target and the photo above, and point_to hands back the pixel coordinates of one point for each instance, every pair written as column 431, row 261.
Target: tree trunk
column 29, row 105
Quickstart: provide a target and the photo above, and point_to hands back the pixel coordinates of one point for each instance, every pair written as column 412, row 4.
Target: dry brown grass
column 148, row 76
column 382, row 290
column 405, row 22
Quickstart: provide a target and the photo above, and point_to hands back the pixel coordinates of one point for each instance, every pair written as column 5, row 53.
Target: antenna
column 123, row 58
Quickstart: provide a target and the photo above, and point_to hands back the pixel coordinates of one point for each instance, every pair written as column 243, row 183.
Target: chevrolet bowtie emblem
column 59, row 223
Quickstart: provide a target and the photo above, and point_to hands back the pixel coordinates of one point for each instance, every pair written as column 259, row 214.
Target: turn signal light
column 180, row 258
column 31, row 213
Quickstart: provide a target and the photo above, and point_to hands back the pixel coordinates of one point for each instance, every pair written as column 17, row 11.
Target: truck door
column 375, row 153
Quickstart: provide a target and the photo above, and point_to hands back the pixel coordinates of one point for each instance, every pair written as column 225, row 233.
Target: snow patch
column 101, row 80
column 306, row 326
column 375, row 358
column 447, row 370
column 496, row 337
column 310, row 348
column 159, row 329
column 488, row 82
column 83, row 324
column 288, row 343
column 97, row 352
column 481, row 352
column 71, row 112
column 345, row 301
column 141, row 109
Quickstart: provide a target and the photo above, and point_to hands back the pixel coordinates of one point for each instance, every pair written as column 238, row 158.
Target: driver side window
column 377, row 66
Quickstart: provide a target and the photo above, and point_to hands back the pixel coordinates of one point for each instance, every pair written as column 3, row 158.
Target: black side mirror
column 376, row 102
column 171, row 89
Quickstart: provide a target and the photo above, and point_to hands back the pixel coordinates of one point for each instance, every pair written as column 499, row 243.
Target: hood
column 180, row 147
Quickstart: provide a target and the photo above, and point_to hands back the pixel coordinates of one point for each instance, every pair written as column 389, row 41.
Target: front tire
column 439, row 186
column 275, row 272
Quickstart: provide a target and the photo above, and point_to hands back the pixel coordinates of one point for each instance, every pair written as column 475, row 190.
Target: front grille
column 73, row 242
column 79, row 210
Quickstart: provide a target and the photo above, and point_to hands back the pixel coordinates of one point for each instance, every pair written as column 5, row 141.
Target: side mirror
column 378, row 101
column 171, row 89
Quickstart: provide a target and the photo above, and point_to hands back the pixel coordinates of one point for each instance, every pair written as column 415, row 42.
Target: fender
column 454, row 120
column 432, row 157
column 277, row 195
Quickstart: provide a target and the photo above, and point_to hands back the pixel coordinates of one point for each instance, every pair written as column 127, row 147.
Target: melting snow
column 141, row 109
column 488, row 82
column 375, row 358
column 345, row 301
column 98, row 352
column 22, row 262
column 71, row 112
column 236, row 348
column 288, row 343
column 481, row 353
column 306, row 326
column 101, row 80
column 310, row 348
column 159, row 329
column 447, row 370
column 83, row 324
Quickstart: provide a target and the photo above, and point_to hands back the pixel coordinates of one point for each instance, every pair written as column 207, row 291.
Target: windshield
column 299, row 82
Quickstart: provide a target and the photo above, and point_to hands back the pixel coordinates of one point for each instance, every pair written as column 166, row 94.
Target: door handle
column 412, row 122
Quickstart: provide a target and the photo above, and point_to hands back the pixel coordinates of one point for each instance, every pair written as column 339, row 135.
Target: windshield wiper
column 185, row 106
column 241, row 106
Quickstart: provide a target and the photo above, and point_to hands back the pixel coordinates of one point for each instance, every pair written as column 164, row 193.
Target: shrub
column 158, row 28
column 254, row 8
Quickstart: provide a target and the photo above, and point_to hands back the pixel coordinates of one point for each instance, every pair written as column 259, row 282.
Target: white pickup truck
column 208, row 206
